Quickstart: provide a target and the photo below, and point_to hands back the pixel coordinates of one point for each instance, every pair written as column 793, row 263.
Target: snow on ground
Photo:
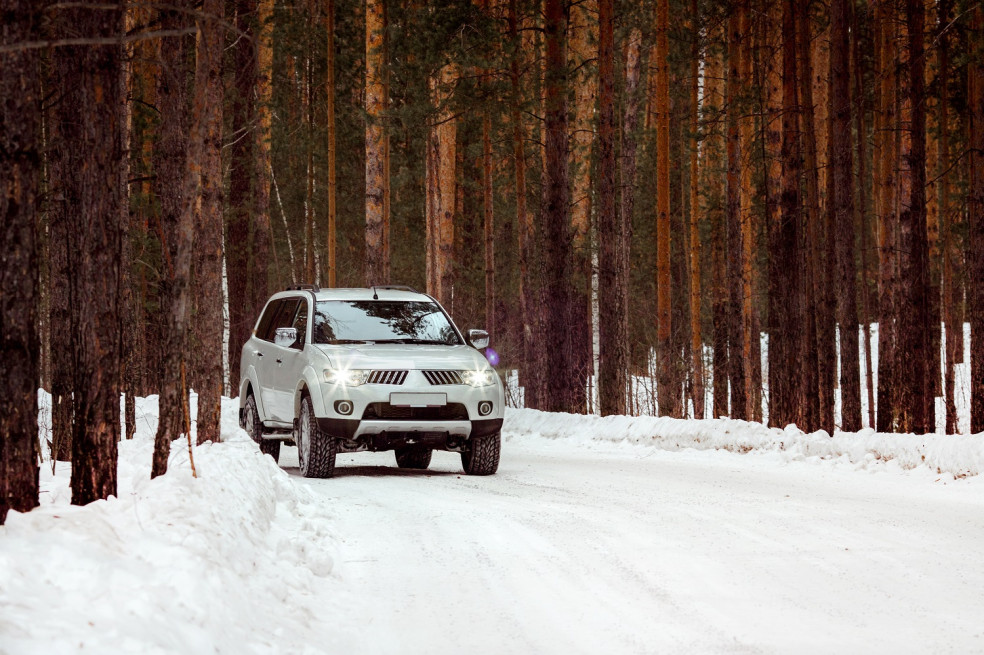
column 613, row 535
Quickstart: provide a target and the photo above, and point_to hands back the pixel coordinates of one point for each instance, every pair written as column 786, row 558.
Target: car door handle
column 280, row 361
column 258, row 353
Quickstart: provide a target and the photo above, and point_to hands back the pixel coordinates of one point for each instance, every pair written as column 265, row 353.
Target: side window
column 300, row 323
column 263, row 328
column 284, row 317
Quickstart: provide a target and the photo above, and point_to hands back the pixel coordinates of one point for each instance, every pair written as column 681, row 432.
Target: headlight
column 348, row 378
column 478, row 378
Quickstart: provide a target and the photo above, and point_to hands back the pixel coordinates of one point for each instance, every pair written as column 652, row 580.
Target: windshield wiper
column 342, row 342
column 427, row 342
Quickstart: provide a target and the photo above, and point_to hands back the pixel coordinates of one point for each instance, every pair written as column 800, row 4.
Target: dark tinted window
column 264, row 325
column 300, row 323
column 283, row 318
column 382, row 321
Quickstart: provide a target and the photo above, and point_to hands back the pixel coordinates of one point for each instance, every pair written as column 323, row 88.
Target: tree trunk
column 746, row 126
column 564, row 391
column 915, row 397
column 885, row 146
column 242, row 167
column 330, row 120
column 375, row 261
column 613, row 341
column 20, row 167
column 177, row 139
column 207, row 297
column 88, row 112
column 734, row 88
column 262, row 249
column 785, row 286
column 842, row 169
column 696, row 340
column 441, row 165
column 975, row 253
column 953, row 330
column 666, row 390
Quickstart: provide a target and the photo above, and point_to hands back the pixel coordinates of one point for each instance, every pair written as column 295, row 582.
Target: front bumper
column 368, row 430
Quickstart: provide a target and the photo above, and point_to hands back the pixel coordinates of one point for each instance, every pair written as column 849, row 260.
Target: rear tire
column 413, row 458
column 482, row 457
column 254, row 428
column 315, row 450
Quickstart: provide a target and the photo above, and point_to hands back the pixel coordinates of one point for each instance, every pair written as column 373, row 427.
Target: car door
column 261, row 356
column 291, row 362
column 274, row 361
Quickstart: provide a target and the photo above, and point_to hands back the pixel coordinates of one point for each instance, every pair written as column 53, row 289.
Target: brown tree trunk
column 953, row 329
column 810, row 389
column 260, row 253
column 772, row 140
column 696, row 339
column 734, row 89
column 785, row 286
column 242, row 167
column 746, row 126
column 330, row 120
column 842, row 169
column 177, row 140
column 376, row 256
column 714, row 102
column 88, row 112
column 441, row 165
column 915, row 390
column 564, row 391
column 975, row 253
column 613, row 341
column 207, row 295
column 20, row 167
column 666, row 389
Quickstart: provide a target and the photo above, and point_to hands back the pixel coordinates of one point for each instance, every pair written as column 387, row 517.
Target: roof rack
column 304, row 287
column 395, row 287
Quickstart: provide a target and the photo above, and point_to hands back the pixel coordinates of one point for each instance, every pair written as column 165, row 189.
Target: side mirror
column 478, row 338
column 285, row 337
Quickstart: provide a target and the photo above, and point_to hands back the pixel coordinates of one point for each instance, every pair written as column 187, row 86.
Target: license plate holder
column 407, row 399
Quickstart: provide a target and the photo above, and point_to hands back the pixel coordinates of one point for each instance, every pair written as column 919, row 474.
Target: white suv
column 384, row 368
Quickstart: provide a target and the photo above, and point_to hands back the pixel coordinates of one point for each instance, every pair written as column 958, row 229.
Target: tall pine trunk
column 696, row 339
column 20, row 167
column 441, row 189
column 842, row 170
column 975, row 253
column 668, row 393
column 376, row 255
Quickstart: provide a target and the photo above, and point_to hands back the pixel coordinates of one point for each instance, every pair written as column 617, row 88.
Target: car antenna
column 374, row 296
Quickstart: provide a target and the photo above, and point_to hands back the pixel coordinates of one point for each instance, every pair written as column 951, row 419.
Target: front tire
column 254, row 428
column 413, row 458
column 315, row 450
column 482, row 456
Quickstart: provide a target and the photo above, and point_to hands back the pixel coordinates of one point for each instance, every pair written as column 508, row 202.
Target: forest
column 672, row 191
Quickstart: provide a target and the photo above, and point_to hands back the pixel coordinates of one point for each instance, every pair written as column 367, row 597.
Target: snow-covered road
column 609, row 549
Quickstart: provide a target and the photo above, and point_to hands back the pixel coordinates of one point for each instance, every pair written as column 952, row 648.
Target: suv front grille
column 449, row 412
column 387, row 377
column 442, row 377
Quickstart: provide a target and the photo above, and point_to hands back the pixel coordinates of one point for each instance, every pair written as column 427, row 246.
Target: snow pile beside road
column 235, row 561
column 958, row 455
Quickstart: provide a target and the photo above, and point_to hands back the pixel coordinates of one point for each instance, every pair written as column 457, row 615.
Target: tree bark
column 242, row 168
column 207, row 296
column 88, row 112
column 330, row 120
column 20, row 166
column 666, row 390
column 177, row 140
column 975, row 253
column 564, row 391
column 612, row 324
column 441, row 189
column 842, row 169
column 696, row 339
column 375, row 261
column 953, row 329
column 915, row 390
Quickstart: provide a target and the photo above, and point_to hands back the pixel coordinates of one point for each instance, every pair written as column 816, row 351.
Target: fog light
column 484, row 408
column 343, row 407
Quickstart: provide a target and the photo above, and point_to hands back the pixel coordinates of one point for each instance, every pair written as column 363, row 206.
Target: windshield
column 363, row 321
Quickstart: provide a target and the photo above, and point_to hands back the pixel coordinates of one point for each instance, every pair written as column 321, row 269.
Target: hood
column 403, row 357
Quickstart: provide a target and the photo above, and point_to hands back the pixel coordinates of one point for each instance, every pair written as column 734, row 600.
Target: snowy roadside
column 955, row 455
column 238, row 560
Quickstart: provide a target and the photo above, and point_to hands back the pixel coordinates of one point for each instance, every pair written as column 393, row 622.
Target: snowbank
column 958, row 455
column 234, row 561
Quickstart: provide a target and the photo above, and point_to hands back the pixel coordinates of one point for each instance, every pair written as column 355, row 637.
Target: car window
column 300, row 322
column 382, row 321
column 263, row 327
column 283, row 318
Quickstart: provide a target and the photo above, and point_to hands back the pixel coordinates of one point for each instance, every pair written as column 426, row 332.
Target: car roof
column 377, row 293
